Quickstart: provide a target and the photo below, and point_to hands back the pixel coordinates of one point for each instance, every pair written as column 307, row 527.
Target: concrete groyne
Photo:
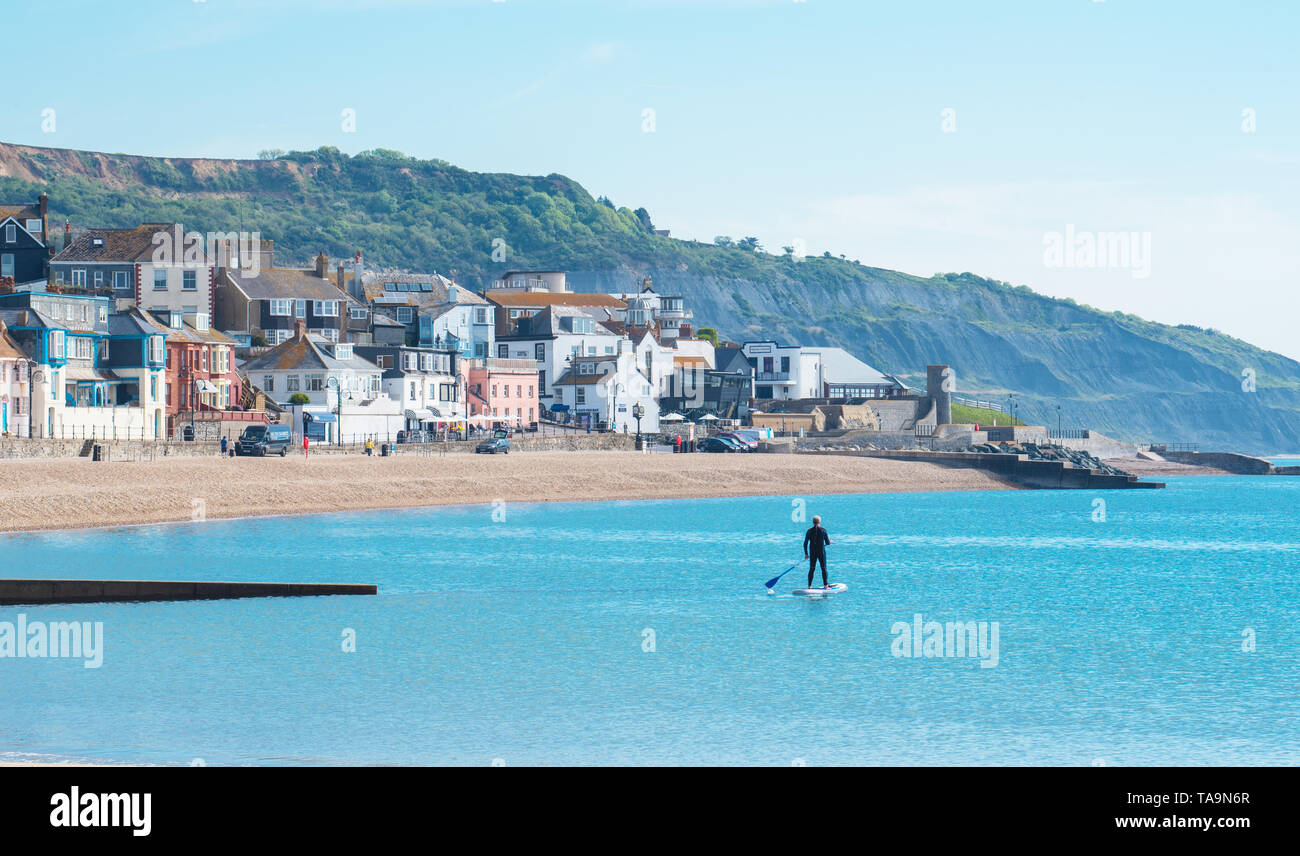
column 14, row 592
column 1020, row 469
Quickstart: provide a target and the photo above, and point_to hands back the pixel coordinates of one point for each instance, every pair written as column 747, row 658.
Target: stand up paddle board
column 836, row 588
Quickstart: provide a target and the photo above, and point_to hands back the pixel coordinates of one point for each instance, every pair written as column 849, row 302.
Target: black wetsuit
column 814, row 544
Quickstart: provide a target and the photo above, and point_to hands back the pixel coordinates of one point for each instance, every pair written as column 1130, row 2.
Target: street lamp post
column 337, row 385
column 638, row 410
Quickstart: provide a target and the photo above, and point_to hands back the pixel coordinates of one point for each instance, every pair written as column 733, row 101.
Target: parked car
column 263, row 440
column 732, row 442
column 749, row 443
column 717, row 444
column 500, row 442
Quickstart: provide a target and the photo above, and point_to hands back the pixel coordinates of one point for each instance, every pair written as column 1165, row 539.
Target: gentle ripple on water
column 522, row 640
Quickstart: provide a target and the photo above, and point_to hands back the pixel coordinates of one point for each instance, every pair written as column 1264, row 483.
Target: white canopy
column 708, row 417
column 672, row 417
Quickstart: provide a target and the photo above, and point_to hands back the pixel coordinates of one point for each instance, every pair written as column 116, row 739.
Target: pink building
column 501, row 390
column 15, row 394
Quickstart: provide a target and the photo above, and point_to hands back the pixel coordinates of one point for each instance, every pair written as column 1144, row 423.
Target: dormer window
column 201, row 321
column 97, row 243
column 175, row 320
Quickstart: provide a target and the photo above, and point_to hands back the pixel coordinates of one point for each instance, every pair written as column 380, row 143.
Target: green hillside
column 1117, row 373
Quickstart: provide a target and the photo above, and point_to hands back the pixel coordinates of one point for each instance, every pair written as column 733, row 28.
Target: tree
column 723, row 241
column 270, row 154
column 644, row 216
column 708, row 334
column 750, row 244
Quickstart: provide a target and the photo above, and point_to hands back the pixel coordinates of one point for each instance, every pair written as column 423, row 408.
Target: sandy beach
column 79, row 493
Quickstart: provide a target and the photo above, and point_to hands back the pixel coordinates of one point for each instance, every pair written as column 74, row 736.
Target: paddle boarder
column 814, row 550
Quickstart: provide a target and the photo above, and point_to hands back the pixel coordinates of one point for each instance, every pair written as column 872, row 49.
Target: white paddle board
column 835, row 588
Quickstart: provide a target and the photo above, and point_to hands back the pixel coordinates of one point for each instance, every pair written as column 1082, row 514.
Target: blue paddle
column 776, row 579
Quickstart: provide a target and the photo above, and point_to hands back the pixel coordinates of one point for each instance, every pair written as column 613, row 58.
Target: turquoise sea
column 1162, row 631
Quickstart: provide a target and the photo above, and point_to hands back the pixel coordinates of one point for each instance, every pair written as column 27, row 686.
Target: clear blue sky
column 816, row 121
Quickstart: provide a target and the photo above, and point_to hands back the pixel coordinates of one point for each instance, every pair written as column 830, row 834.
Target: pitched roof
column 9, row 349
column 21, row 210
column 440, row 289
column 119, row 245
column 287, row 284
column 134, row 322
column 307, row 352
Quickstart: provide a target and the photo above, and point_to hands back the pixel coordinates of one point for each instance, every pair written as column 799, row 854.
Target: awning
column 560, row 407
column 672, row 417
column 206, row 386
column 85, row 373
column 320, row 417
column 424, row 415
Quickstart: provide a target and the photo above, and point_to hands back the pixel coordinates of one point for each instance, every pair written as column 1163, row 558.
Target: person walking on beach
column 814, row 550
column 223, row 445
column 370, row 446
column 306, row 444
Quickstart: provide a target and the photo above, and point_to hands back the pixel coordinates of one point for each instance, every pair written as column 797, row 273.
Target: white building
column 605, row 390
column 791, row 371
column 553, row 337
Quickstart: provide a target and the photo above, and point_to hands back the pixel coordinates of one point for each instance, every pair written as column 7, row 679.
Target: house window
column 79, row 277
column 156, row 349
column 481, row 316
column 359, row 313
column 7, row 264
column 541, row 383
column 384, row 361
column 268, row 383
column 315, row 383
column 282, row 308
column 57, row 345
column 103, row 315
column 539, row 352
column 494, row 390
column 426, row 362
column 35, row 226
column 519, row 391
column 408, row 361
column 83, row 347
column 160, row 280
column 503, row 351
column 413, row 390
column 11, row 233
column 586, row 368
column 580, row 394
column 404, row 314
column 325, row 308
column 189, row 281
column 530, row 390
column 342, row 352
column 291, row 383
column 505, row 390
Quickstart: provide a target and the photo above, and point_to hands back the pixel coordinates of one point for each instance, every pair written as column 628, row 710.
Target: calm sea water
column 524, row 641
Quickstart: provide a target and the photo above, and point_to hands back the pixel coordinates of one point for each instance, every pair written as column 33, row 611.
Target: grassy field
column 964, row 413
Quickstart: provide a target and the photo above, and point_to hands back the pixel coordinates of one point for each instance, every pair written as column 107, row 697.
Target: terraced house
column 203, row 384
column 93, row 373
column 15, row 396
column 136, row 268
column 24, row 241
column 268, row 307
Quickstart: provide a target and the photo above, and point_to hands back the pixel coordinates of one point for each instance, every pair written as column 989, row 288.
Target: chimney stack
column 67, row 233
column 322, row 266
column 300, row 329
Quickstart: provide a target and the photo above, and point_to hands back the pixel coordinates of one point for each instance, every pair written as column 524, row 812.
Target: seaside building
column 343, row 391
column 723, row 390
column 551, row 337
column 203, row 384
column 432, row 310
column 666, row 313
column 25, row 248
column 269, row 305
column 138, row 268
column 15, row 394
column 427, row 382
column 502, row 390
column 93, row 373
column 602, row 391
column 784, row 372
